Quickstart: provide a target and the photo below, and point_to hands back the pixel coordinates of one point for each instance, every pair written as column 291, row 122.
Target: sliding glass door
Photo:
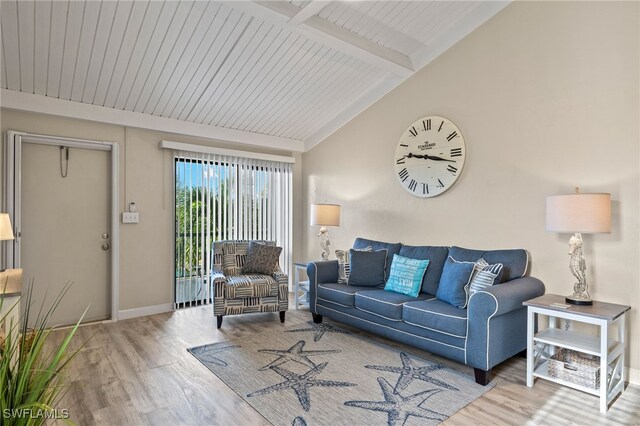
column 223, row 198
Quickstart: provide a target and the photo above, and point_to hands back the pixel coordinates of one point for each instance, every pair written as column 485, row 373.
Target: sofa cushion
column 339, row 293
column 515, row 261
column 436, row 315
column 454, row 281
column 344, row 264
column 392, row 248
column 253, row 285
column 406, row 275
column 367, row 267
column 386, row 304
column 437, row 256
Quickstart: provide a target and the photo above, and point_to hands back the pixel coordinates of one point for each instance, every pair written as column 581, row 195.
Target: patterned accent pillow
column 344, row 264
column 406, row 275
column 261, row 259
column 488, row 276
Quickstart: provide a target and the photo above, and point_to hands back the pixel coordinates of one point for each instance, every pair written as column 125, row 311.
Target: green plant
column 31, row 368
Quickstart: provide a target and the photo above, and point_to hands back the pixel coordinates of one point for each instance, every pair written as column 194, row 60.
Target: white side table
column 543, row 344
column 298, row 286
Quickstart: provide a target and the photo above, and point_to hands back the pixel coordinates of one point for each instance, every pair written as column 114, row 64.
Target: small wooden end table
column 543, row 344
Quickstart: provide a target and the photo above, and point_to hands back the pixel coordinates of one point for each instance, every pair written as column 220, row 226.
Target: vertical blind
column 220, row 197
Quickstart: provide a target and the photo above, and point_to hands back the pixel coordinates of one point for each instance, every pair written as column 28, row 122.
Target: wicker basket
column 575, row 367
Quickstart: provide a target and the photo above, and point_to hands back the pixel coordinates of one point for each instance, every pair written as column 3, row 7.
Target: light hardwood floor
column 138, row 372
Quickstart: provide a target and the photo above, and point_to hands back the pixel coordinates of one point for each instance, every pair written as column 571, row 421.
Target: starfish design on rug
column 320, row 329
column 295, row 353
column 409, row 372
column 299, row 421
column 300, row 384
column 398, row 407
column 207, row 353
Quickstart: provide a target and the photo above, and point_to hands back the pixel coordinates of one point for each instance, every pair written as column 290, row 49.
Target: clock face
column 429, row 157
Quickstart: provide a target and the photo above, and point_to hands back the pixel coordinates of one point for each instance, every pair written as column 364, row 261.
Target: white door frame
column 13, row 205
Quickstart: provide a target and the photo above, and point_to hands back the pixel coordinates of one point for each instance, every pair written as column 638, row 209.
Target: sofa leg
column 219, row 320
column 482, row 377
column 317, row 319
column 282, row 316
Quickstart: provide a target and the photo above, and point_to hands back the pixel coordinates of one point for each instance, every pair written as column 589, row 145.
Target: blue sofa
column 490, row 330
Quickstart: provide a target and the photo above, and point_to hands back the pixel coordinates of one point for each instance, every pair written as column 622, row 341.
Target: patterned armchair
column 236, row 293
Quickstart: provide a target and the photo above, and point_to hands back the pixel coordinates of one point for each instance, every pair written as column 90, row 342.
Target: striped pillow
column 344, row 264
column 489, row 275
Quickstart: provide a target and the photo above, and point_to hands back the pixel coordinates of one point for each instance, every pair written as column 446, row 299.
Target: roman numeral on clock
column 452, row 135
column 441, row 123
column 404, row 174
column 426, row 124
column 456, row 152
column 413, row 132
column 452, row 169
column 413, row 184
column 425, row 188
column 400, row 160
column 440, row 184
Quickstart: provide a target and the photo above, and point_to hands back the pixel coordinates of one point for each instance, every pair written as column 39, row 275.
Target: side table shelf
column 543, row 345
column 300, row 286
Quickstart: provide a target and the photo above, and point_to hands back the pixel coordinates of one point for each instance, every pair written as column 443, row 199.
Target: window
column 225, row 198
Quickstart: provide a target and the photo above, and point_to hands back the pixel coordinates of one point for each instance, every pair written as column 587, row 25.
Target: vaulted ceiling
column 274, row 73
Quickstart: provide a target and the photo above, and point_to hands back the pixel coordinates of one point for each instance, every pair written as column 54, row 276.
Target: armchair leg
column 482, row 377
column 282, row 316
column 219, row 320
column 317, row 319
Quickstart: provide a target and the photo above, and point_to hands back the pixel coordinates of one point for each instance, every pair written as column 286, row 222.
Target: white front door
column 65, row 229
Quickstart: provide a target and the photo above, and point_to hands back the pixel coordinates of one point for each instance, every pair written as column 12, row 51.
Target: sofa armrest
column 502, row 298
column 497, row 321
column 325, row 271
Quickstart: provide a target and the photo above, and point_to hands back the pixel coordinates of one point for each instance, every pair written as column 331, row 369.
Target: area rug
column 321, row 374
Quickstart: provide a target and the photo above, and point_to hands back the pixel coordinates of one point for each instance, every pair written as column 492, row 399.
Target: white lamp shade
column 6, row 232
column 584, row 213
column 325, row 214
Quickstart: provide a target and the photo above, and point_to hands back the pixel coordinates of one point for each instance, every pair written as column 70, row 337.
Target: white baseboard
column 633, row 375
column 144, row 311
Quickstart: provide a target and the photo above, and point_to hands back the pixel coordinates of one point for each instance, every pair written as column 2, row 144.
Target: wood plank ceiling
column 295, row 70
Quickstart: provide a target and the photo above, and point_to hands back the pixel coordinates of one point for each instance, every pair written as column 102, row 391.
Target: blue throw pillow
column 455, row 277
column 367, row 268
column 406, row 275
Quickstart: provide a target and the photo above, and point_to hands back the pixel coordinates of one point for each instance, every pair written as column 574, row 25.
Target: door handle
column 105, row 246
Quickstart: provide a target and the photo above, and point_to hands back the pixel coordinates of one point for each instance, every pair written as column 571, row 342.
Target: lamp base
column 578, row 300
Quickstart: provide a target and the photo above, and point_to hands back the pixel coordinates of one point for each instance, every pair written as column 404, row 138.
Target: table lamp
column 579, row 213
column 325, row 215
column 6, row 232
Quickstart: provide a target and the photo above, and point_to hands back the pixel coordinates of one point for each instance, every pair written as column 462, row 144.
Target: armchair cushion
column 261, row 259
column 255, row 285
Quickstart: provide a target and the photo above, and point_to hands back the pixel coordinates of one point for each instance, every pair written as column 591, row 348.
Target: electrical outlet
column 128, row 217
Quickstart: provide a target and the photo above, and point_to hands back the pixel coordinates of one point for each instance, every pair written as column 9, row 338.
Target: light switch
column 128, row 217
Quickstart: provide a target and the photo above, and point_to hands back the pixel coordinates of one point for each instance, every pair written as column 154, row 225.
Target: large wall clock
column 430, row 156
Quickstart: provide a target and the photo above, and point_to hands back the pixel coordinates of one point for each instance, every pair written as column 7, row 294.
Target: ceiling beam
column 308, row 11
column 321, row 31
column 11, row 99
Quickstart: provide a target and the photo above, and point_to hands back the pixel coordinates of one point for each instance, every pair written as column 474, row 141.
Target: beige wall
column 547, row 97
column 146, row 249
